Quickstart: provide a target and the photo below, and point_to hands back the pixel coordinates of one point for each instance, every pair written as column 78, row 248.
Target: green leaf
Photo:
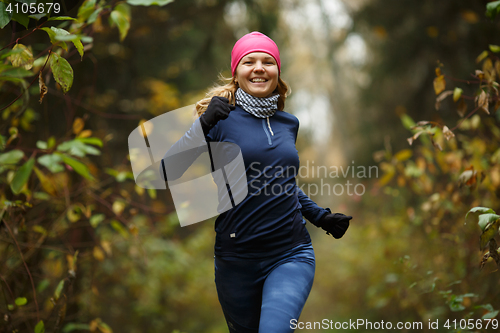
column 79, row 46
column 5, row 16
column 75, row 326
column 3, row 142
column 44, row 284
column 77, row 148
column 16, row 72
column 408, row 123
column 62, row 36
column 59, row 288
column 94, row 15
column 61, row 18
column 86, row 39
column 22, row 19
column 41, row 196
column 62, row 72
column 492, row 9
column 495, row 48
column 39, row 229
column 95, row 220
column 119, row 227
column 78, row 166
column 12, row 157
column 91, row 141
column 490, row 315
column 40, row 327
column 487, row 307
column 41, row 144
column 489, row 232
column 38, row 16
column 476, row 211
column 457, row 93
column 67, row 38
column 22, row 175
column 485, row 219
column 121, row 17
column 149, row 2
column 20, row 301
column 11, row 307
column 51, row 142
column 51, row 162
column 85, row 10
column 57, row 36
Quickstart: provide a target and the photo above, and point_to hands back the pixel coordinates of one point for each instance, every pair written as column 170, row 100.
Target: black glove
column 334, row 224
column 218, row 109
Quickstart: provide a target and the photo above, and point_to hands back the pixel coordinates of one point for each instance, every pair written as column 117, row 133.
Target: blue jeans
column 264, row 295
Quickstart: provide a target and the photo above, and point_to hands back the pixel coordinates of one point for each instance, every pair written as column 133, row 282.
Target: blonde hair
column 228, row 90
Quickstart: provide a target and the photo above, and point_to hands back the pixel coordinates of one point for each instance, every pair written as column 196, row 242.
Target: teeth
column 258, row 80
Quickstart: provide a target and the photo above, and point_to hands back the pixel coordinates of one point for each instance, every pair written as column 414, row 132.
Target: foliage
column 80, row 243
column 435, row 183
column 84, row 249
column 51, row 188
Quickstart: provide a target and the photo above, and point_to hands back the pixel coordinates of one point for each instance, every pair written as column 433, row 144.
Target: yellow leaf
column 107, row 247
column 74, row 213
column 380, row 32
column 22, row 57
column 43, row 87
column 403, row 155
column 118, row 207
column 439, row 84
column 93, row 325
column 479, row 74
column 98, row 253
column 85, row 134
column 78, row 125
column 71, row 259
column 385, row 179
column 45, row 181
column 495, row 48
column 482, row 56
column 470, row 17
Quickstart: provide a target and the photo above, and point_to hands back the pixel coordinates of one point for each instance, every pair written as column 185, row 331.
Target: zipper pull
column 269, row 125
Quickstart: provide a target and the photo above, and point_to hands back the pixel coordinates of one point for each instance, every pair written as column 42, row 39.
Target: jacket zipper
column 269, row 140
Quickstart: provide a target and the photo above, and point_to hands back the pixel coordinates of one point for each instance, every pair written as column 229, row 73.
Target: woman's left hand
column 334, row 224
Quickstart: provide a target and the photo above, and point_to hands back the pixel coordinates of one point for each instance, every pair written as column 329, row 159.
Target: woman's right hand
column 218, row 109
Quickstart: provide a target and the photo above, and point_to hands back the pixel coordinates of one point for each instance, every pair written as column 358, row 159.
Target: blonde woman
column 264, row 260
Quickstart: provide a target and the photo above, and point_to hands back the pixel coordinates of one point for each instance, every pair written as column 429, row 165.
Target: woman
column 264, row 260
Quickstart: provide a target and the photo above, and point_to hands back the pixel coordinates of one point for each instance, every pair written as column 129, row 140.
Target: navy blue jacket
column 270, row 218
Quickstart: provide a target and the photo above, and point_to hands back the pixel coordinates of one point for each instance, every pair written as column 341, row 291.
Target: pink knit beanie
column 253, row 42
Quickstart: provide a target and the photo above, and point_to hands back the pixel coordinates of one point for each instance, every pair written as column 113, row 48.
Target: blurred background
column 82, row 248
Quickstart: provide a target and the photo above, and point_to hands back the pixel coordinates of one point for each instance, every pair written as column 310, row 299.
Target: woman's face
column 257, row 74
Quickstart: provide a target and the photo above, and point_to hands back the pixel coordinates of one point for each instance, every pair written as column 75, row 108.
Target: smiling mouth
column 258, row 80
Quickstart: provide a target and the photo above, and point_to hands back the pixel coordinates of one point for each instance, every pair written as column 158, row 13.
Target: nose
column 258, row 67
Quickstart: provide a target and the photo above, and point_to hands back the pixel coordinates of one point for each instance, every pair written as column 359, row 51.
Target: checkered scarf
column 259, row 107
